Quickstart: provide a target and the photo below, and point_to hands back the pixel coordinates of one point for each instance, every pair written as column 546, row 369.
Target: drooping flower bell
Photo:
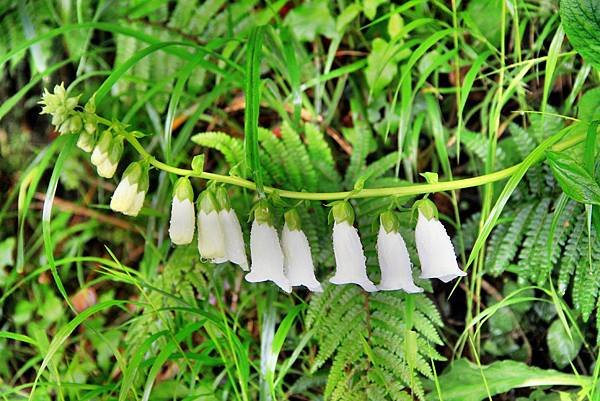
column 396, row 273
column 183, row 216
column 106, row 154
column 235, row 250
column 350, row 260
column 211, row 239
column 436, row 252
column 265, row 250
column 129, row 196
column 298, row 263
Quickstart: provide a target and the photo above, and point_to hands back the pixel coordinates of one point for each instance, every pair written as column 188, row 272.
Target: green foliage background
column 340, row 96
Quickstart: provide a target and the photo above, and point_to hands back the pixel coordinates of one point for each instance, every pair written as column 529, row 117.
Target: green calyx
column 223, row 198
column 137, row 173
column 262, row 213
column 207, row 202
column 116, row 150
column 105, row 141
column 342, row 211
column 427, row 208
column 183, row 190
column 292, row 219
column 389, row 221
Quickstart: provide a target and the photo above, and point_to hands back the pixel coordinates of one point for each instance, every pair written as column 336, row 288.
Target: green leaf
column 563, row 349
column 7, row 248
column 485, row 17
column 466, row 381
column 589, row 105
column 382, row 66
column 574, row 180
column 581, row 23
column 311, row 19
column 370, row 7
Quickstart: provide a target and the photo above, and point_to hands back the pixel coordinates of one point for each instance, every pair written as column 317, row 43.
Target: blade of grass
column 252, row 93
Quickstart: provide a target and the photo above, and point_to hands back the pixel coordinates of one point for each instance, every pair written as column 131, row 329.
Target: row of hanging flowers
column 285, row 260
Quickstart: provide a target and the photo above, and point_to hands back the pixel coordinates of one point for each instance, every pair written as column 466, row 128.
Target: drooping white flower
column 106, row 154
column 298, row 263
column 85, row 141
column 211, row 239
column 265, row 250
column 396, row 273
column 235, row 249
column 350, row 260
column 129, row 196
column 183, row 220
column 435, row 249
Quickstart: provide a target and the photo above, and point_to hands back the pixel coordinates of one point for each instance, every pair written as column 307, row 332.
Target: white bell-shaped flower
column 235, row 249
column 129, row 195
column 435, row 249
column 396, row 273
column 265, row 250
column 106, row 154
column 350, row 260
column 298, row 263
column 211, row 239
column 183, row 220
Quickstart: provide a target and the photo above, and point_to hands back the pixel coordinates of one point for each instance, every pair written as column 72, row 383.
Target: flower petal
column 396, row 273
column 267, row 257
column 136, row 205
column 182, row 224
column 235, row 250
column 123, row 196
column 350, row 259
column 298, row 263
column 435, row 249
column 211, row 240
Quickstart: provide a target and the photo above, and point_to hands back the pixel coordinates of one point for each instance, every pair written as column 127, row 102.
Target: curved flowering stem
column 415, row 189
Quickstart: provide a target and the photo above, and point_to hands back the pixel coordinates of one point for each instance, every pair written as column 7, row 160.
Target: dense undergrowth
column 488, row 108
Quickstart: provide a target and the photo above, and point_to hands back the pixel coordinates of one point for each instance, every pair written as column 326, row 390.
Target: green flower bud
column 389, row 221
column 427, row 208
column 292, row 219
column 262, row 213
column 183, row 190
column 342, row 211
column 223, row 199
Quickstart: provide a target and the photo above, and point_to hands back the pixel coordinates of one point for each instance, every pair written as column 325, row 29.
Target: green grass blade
column 252, row 93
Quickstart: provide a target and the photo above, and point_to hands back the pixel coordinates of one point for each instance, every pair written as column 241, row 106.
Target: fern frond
column 231, row 148
column 571, row 254
column 534, row 239
column 299, row 157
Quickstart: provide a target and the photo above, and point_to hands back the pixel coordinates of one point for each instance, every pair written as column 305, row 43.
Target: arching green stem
column 415, row 189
